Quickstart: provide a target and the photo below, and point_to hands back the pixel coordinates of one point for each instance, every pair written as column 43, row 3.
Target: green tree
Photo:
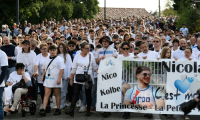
column 169, row 10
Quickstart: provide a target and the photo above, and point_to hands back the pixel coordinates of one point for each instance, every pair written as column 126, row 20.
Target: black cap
column 26, row 41
column 106, row 38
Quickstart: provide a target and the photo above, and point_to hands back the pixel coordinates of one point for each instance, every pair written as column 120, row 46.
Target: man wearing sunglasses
column 72, row 49
column 144, row 94
column 156, row 45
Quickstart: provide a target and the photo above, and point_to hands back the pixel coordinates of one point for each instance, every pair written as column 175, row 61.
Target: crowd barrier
column 177, row 82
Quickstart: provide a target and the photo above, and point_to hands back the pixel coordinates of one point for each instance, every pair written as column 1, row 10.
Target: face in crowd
column 144, row 47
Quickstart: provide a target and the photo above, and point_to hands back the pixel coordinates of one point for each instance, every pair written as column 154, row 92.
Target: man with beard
column 179, row 53
column 143, row 94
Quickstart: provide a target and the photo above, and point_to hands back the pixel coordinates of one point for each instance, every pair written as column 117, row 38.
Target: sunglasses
column 156, row 41
column 117, row 43
column 145, row 74
column 44, row 49
column 71, row 45
column 136, row 53
column 87, row 48
column 49, row 43
column 125, row 48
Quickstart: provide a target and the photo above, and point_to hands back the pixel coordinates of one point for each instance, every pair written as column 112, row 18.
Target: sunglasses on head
column 145, row 74
column 125, row 48
column 71, row 45
column 49, row 43
column 156, row 41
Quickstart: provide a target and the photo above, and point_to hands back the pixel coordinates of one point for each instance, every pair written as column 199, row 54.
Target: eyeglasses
column 156, row 41
column 62, row 40
column 136, row 53
column 71, row 45
column 49, row 43
column 87, row 48
column 44, row 49
column 145, row 74
column 60, row 47
column 125, row 48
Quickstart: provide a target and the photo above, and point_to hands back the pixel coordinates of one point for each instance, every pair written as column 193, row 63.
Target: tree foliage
column 35, row 11
column 169, row 10
column 187, row 14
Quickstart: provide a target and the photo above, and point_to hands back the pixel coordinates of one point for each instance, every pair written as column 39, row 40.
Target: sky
column 149, row 5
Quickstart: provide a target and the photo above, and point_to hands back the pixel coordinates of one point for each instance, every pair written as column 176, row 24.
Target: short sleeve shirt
column 109, row 52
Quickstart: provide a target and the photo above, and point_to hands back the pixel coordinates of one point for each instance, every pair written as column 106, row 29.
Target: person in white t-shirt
column 38, row 71
column 187, row 54
column 4, row 67
column 14, row 78
column 179, row 54
column 125, row 47
column 52, row 74
column 80, row 66
column 20, row 40
column 146, row 53
column 62, row 52
column 196, row 50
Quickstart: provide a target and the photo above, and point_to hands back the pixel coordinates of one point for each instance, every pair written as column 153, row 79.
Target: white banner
column 171, row 83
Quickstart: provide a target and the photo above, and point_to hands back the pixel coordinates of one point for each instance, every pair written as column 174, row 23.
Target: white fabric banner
column 171, row 83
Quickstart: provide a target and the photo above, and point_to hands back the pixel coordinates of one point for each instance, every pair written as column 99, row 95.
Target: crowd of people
column 54, row 52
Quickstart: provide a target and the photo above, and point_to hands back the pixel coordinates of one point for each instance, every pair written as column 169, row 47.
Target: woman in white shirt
column 126, row 47
column 38, row 70
column 53, row 69
column 62, row 52
column 80, row 64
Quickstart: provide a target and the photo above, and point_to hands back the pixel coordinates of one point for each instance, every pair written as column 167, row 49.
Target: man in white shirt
column 184, row 30
column 4, row 67
column 196, row 50
column 28, row 28
column 146, row 52
column 193, row 42
column 179, row 53
column 92, row 37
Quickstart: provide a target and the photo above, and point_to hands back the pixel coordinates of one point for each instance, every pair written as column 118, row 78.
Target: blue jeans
column 63, row 93
column 94, row 94
column 8, row 72
column 1, row 103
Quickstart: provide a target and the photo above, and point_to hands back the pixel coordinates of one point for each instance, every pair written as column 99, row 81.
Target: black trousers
column 76, row 90
column 70, row 92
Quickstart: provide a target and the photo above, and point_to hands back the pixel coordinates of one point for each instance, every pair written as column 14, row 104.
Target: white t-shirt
column 196, row 52
column 130, row 55
column 149, row 54
column 80, row 62
column 68, row 65
column 179, row 54
column 19, row 49
column 39, row 61
column 53, row 72
column 3, row 62
column 28, row 59
column 109, row 52
column 15, row 78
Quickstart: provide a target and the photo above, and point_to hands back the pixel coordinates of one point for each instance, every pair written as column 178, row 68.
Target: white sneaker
column 34, row 102
column 82, row 109
column 78, row 103
column 68, row 104
column 187, row 117
column 41, row 106
column 27, row 109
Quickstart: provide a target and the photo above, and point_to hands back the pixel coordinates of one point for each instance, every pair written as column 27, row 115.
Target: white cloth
column 80, row 62
column 109, row 52
column 53, row 72
column 28, row 59
column 149, row 54
column 196, row 52
column 19, row 49
column 68, row 65
column 27, row 30
column 39, row 61
column 130, row 55
column 13, row 78
column 3, row 62
column 179, row 54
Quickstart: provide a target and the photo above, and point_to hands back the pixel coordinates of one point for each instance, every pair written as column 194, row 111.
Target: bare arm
column 60, row 76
